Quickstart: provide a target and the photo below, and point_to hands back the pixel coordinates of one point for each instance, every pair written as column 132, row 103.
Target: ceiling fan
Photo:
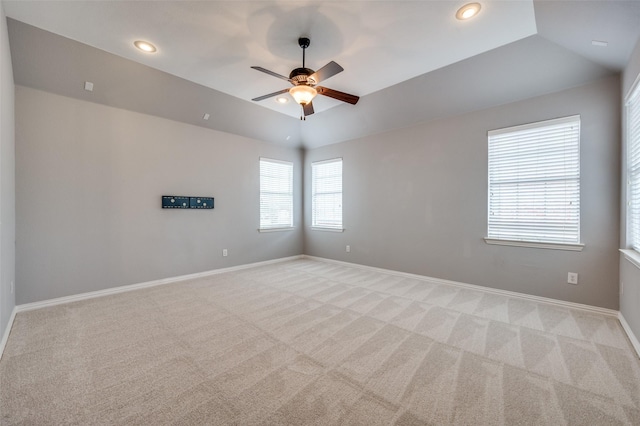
column 305, row 80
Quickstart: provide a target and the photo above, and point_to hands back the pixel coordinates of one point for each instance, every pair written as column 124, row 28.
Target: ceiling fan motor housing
column 301, row 76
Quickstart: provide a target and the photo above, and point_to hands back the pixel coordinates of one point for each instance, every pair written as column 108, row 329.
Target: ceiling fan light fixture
column 303, row 94
column 468, row 11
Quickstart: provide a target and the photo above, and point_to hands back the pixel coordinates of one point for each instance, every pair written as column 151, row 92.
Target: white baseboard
column 523, row 296
column 5, row 335
column 132, row 287
column 632, row 337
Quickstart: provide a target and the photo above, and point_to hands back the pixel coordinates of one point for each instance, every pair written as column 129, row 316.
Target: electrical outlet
column 13, row 287
column 348, row 249
column 572, row 278
column 225, row 253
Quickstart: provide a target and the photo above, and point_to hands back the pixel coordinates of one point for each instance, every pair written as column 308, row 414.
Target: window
column 633, row 167
column 276, row 194
column 326, row 194
column 534, row 185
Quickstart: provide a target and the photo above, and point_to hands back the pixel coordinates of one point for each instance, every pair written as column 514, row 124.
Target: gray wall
column 89, row 180
column 629, row 274
column 415, row 200
column 7, row 179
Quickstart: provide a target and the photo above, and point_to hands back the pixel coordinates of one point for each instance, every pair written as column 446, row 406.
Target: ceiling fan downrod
column 303, row 42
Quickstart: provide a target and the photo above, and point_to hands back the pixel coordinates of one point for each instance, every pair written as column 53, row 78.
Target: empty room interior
column 306, row 212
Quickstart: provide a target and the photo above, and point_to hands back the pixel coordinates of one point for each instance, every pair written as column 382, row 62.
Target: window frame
column 540, row 242
column 263, row 190
column 632, row 173
column 315, row 225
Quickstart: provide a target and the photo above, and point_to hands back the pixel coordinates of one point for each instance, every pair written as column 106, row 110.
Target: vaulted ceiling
column 409, row 61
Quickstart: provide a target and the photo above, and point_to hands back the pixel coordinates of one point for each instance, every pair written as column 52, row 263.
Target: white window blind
column 633, row 167
column 326, row 194
column 276, row 194
column 534, row 182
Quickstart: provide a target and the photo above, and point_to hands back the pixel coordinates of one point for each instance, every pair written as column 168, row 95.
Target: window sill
column 632, row 256
column 317, row 228
column 291, row 228
column 532, row 244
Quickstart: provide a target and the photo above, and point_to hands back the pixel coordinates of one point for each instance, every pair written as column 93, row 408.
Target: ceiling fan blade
column 270, row 95
column 341, row 96
column 327, row 71
column 266, row 71
column 308, row 109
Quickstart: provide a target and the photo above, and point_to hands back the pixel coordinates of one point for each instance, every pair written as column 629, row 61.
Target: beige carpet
column 308, row 342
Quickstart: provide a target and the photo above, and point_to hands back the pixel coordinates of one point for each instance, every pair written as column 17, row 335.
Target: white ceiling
column 409, row 61
column 214, row 43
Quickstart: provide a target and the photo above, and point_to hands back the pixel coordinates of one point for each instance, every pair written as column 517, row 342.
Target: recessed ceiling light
column 599, row 43
column 145, row 46
column 468, row 11
column 282, row 99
